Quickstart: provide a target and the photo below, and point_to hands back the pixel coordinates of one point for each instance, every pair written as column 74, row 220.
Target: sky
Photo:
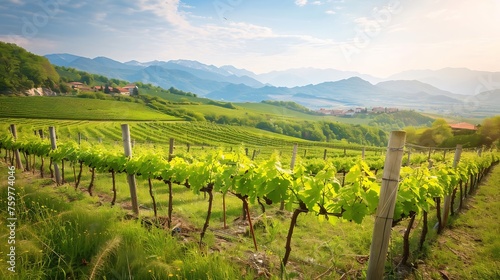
column 378, row 37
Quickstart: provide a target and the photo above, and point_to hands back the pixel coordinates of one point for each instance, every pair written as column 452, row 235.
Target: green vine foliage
column 311, row 184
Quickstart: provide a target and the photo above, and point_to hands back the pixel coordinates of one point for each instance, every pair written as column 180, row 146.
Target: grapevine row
column 303, row 190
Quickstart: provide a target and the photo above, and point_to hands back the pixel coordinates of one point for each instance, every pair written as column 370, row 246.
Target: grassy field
column 76, row 108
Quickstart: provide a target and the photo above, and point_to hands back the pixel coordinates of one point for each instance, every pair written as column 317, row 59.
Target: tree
column 135, row 92
column 106, row 89
column 490, row 130
column 87, row 78
column 441, row 131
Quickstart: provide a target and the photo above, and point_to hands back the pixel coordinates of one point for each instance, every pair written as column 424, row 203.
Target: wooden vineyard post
column 324, row 154
column 79, row 138
column 363, row 153
column 40, row 132
column 292, row 165
column 171, row 149
column 387, row 202
column 447, row 198
column 17, row 155
column 127, row 147
column 53, row 144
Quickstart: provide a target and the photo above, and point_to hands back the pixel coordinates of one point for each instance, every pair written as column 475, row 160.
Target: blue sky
column 373, row 37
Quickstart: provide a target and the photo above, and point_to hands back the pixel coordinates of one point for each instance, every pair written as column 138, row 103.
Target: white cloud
column 167, row 10
column 330, row 12
column 317, row 3
column 300, row 3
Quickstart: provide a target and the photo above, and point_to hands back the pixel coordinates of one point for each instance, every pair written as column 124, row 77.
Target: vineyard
column 193, row 136
column 341, row 188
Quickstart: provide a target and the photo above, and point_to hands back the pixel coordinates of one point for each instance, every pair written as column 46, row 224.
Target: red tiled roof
column 463, row 125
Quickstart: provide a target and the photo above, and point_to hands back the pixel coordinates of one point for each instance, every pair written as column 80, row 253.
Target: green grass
column 64, row 234
column 74, row 108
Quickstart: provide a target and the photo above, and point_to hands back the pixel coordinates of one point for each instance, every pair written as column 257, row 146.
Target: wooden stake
column 387, row 202
column 127, row 147
column 447, row 198
column 292, row 165
column 17, row 155
column 52, row 135
column 171, row 149
column 294, row 156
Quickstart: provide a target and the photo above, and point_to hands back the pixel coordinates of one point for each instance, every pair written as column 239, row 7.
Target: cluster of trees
column 327, row 131
column 173, row 90
column 440, row 134
column 68, row 74
column 399, row 120
column 227, row 105
column 21, row 70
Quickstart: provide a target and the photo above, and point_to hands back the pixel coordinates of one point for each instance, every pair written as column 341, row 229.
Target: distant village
column 130, row 89
column 352, row 112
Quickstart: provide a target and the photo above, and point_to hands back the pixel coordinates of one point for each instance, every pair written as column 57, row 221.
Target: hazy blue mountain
column 306, row 76
column 239, row 72
column 456, row 80
column 207, row 75
column 415, row 86
column 353, row 91
column 183, row 80
column 62, row 59
column 207, row 72
column 244, row 93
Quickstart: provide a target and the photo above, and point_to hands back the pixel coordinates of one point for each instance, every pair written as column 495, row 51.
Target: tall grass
column 59, row 239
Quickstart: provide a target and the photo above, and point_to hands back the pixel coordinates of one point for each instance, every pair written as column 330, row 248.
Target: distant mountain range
column 455, row 89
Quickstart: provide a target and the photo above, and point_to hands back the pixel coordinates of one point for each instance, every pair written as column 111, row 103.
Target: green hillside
column 76, row 109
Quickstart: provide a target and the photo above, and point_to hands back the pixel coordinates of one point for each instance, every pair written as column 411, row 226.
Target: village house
column 463, row 128
column 76, row 84
column 378, row 110
column 130, row 88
